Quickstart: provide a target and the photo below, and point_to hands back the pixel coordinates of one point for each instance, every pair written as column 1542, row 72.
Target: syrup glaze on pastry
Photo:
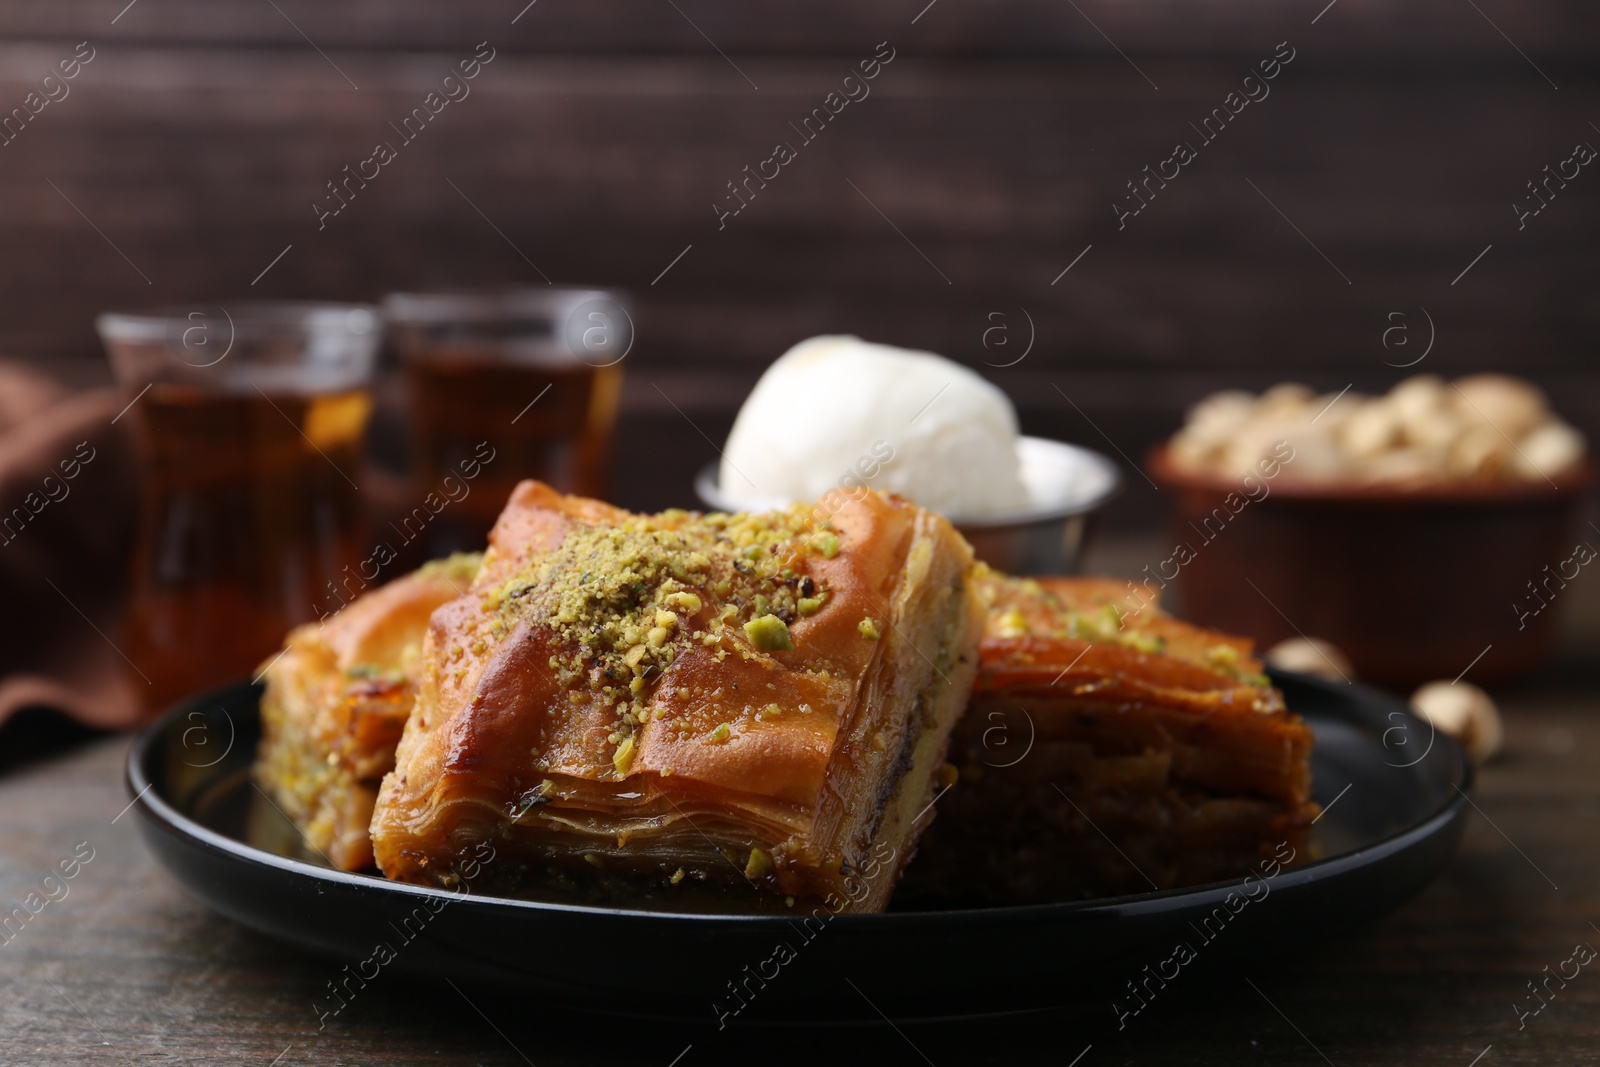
column 654, row 708
column 1110, row 748
column 336, row 701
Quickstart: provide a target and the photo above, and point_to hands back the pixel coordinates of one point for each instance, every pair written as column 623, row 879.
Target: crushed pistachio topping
column 758, row 866
column 1225, row 657
column 626, row 600
column 460, row 567
column 622, row 759
column 1012, row 624
column 1146, row 642
column 720, row 734
column 372, row 672
column 869, row 629
column 687, row 601
column 1106, row 624
column 768, row 633
column 1020, row 607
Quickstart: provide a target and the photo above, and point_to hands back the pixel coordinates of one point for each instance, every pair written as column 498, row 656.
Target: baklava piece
column 1109, row 749
column 685, row 711
column 336, row 701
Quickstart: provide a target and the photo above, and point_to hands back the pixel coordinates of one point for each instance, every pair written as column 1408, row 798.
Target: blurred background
column 965, row 206
column 598, row 139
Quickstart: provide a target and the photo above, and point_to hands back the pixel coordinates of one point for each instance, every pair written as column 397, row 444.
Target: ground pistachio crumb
column 622, row 759
column 1223, row 656
column 627, row 599
column 1012, row 624
column 869, row 628
column 759, row 865
column 768, row 633
column 720, row 734
column 1146, row 642
column 826, row 543
column 689, row 602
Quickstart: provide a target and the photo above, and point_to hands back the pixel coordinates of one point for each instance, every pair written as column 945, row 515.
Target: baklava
column 335, row 703
column 1108, row 749
column 739, row 712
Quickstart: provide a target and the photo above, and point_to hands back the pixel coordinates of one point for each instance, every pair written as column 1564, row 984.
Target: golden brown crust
column 335, row 704
column 549, row 720
column 1095, row 719
column 1118, row 631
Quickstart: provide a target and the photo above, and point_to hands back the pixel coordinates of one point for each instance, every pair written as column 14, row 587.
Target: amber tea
column 550, row 421
column 524, row 381
column 249, row 512
column 250, row 423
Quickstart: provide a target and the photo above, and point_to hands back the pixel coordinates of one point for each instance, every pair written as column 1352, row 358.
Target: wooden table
column 126, row 969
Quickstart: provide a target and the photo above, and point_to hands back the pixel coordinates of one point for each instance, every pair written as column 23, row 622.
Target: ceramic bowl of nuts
column 1423, row 531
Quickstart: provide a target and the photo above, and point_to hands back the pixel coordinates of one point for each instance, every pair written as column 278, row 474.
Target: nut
column 1423, row 431
column 1511, row 405
column 1372, row 428
column 1220, row 414
column 1550, row 449
column 1435, row 429
column 1465, row 712
column 1480, row 452
column 1418, row 397
column 1310, row 655
column 1193, row 451
column 1404, row 465
column 1287, row 398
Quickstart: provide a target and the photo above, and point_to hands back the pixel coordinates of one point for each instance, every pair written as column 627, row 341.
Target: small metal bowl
column 1069, row 485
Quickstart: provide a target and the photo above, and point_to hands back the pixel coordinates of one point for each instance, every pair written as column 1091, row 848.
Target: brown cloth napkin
column 68, row 501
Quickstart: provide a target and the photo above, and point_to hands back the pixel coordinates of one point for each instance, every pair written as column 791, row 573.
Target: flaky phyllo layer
column 1099, row 636
column 337, row 698
column 1111, row 748
column 657, row 705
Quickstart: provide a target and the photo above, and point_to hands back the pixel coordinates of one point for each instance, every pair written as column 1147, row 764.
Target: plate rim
column 157, row 813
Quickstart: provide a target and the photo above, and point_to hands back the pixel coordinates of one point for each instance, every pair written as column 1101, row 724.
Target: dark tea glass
column 509, row 384
column 250, row 421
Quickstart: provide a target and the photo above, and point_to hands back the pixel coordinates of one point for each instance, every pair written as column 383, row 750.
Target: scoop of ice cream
column 838, row 412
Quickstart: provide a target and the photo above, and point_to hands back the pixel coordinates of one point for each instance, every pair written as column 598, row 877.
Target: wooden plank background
column 992, row 149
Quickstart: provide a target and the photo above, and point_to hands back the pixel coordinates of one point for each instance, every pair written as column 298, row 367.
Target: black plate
column 1394, row 795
